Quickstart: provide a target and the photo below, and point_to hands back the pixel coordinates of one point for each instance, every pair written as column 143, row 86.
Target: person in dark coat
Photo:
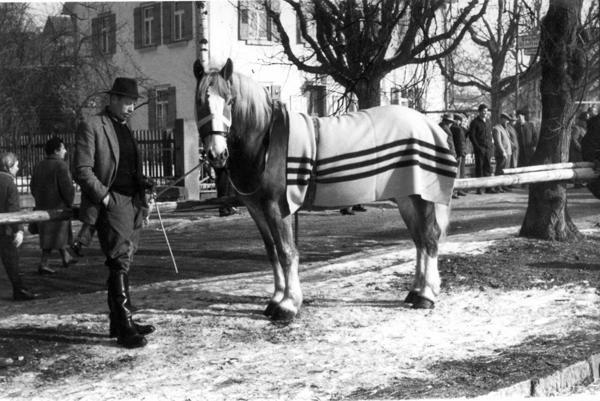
column 480, row 134
column 11, row 235
column 108, row 168
column 52, row 188
column 460, row 146
column 527, row 138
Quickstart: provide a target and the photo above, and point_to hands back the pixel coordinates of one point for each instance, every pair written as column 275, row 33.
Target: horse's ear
column 198, row 69
column 227, row 70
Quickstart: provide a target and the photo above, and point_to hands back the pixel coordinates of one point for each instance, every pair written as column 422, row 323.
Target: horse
column 243, row 130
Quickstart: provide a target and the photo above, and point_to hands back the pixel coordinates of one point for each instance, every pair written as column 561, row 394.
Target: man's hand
column 18, row 240
column 105, row 200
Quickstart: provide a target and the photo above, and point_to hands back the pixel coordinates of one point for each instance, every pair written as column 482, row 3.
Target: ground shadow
column 535, row 357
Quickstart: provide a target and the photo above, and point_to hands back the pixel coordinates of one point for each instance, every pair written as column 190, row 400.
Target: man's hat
column 124, row 87
column 458, row 117
column 447, row 117
column 482, row 106
column 504, row 115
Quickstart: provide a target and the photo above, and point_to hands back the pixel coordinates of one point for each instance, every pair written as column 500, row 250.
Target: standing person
column 445, row 124
column 526, row 137
column 108, row 168
column 224, row 188
column 11, row 236
column 480, row 135
column 52, row 188
column 460, row 146
column 514, row 143
column 502, row 146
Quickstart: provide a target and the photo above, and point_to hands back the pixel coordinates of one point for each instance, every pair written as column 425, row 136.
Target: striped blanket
column 375, row 154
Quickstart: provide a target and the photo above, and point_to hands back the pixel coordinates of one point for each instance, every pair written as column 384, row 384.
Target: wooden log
column 580, row 174
column 66, row 214
column 544, row 167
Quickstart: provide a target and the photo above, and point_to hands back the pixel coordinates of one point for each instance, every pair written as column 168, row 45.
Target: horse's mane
column 251, row 111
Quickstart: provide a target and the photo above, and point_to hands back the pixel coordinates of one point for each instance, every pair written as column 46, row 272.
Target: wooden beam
column 579, row 174
column 544, row 167
column 66, row 214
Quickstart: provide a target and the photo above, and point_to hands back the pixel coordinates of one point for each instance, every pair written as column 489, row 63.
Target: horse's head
column 213, row 110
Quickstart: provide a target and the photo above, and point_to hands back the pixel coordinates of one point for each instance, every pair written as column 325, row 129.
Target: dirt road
column 511, row 309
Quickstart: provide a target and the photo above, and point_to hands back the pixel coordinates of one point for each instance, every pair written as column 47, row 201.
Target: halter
column 220, row 123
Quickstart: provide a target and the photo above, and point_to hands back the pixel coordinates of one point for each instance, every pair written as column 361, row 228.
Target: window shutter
column 137, row 27
column 167, row 19
column 243, row 20
column 112, row 41
column 188, row 20
column 152, row 109
column 96, row 36
column 172, row 110
column 272, row 33
column 156, row 25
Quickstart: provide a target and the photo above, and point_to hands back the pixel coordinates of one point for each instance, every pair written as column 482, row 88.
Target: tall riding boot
column 143, row 329
column 126, row 332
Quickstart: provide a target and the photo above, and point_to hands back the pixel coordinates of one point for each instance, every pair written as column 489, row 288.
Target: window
column 178, row 25
column 177, row 21
column 317, row 100
column 254, row 25
column 147, row 26
column 146, row 21
column 162, row 108
column 104, row 34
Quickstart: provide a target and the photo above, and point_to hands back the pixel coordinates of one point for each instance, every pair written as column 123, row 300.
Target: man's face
column 14, row 169
column 62, row 151
column 122, row 106
column 521, row 118
column 483, row 113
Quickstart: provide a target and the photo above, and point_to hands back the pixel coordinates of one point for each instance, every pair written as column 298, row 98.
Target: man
column 527, row 138
column 514, row 143
column 445, row 124
column 480, row 135
column 52, row 188
column 460, row 146
column 502, row 146
column 109, row 171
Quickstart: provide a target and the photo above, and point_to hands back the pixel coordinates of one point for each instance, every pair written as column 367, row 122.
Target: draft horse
column 241, row 130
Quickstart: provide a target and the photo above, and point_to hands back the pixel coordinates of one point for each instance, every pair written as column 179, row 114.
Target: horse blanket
column 374, row 154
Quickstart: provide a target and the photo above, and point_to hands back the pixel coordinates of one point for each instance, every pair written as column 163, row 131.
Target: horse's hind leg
column 278, row 277
column 420, row 218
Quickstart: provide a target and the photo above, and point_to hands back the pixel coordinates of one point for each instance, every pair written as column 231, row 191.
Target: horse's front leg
column 278, row 277
column 283, row 236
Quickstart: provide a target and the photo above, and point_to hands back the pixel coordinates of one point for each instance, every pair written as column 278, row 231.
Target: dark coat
column 528, row 139
column 480, row 133
column 52, row 188
column 96, row 159
column 460, row 140
column 590, row 144
column 9, row 202
column 450, row 140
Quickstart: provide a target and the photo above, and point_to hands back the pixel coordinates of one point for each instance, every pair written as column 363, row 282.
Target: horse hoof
column 270, row 309
column 423, row 303
column 282, row 315
column 411, row 298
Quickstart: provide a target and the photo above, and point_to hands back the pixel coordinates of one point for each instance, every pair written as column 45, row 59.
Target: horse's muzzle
column 218, row 160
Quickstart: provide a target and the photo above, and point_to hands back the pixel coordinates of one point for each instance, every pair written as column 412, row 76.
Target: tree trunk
column 368, row 93
column 547, row 216
column 495, row 96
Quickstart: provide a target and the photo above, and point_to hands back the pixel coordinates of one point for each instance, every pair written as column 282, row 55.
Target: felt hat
column 504, row 115
column 124, row 87
column 447, row 117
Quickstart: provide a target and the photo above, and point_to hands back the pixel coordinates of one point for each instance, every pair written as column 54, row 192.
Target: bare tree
column 495, row 34
column 563, row 63
column 357, row 43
